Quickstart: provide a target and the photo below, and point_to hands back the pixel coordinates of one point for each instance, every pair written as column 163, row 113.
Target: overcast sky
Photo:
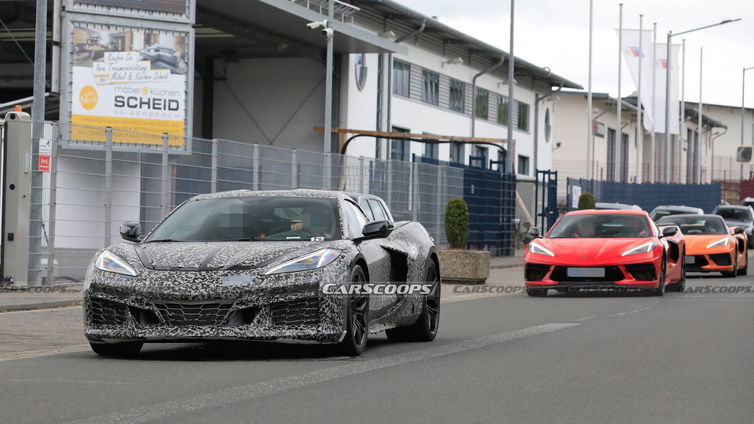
column 554, row 33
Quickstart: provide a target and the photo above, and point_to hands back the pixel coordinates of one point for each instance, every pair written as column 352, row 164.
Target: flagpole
column 639, row 130
column 682, row 118
column 619, row 131
column 698, row 147
column 590, row 123
column 653, row 150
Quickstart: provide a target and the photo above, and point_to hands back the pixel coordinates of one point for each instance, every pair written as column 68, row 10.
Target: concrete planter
column 464, row 266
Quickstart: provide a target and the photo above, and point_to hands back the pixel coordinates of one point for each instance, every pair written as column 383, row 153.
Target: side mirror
column 739, row 230
column 669, row 231
column 533, row 232
column 376, row 229
column 131, row 231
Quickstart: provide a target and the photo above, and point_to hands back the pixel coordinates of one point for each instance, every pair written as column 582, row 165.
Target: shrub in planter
column 457, row 223
column 457, row 264
column 586, row 201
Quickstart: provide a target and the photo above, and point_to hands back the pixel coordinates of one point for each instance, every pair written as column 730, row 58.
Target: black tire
column 745, row 269
column 732, row 274
column 536, row 292
column 123, row 349
column 425, row 328
column 357, row 319
column 660, row 290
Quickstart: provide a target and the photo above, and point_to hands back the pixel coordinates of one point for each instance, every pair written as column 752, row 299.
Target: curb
column 39, row 306
column 503, row 266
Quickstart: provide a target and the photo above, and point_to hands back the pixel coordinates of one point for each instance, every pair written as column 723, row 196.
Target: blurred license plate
column 586, row 272
column 689, row 260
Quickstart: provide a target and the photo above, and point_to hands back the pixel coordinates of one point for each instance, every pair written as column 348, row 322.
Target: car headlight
column 110, row 262
column 535, row 248
column 308, row 262
column 721, row 242
column 642, row 248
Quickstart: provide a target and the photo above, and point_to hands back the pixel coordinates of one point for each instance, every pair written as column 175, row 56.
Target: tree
column 457, row 223
column 586, row 201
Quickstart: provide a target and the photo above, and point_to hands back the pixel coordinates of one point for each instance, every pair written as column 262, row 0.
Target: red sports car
column 590, row 249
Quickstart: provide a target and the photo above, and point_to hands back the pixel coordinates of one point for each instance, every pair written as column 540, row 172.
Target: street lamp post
column 666, row 160
column 743, row 111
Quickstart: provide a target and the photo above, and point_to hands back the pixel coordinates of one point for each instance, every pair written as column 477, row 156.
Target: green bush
column 586, row 201
column 457, row 223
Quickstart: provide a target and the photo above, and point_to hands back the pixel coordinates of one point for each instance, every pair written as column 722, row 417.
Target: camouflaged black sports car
column 264, row 265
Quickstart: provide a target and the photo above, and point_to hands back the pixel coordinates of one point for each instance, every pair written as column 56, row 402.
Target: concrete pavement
column 681, row 358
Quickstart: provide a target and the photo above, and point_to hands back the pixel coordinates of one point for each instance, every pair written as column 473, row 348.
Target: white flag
column 661, row 65
column 635, row 45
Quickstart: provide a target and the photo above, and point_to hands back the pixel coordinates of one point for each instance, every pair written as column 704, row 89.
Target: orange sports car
column 711, row 246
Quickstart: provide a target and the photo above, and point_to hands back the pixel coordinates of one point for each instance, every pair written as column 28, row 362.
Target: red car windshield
column 602, row 226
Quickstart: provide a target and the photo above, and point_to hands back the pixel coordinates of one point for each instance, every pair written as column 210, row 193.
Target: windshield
column 734, row 214
column 601, row 226
column 252, row 218
column 697, row 225
column 659, row 213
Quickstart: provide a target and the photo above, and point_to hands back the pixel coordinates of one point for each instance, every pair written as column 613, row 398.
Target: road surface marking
column 282, row 384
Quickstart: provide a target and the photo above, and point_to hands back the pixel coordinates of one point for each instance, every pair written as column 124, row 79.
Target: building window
column 431, row 87
column 401, row 78
column 501, row 154
column 456, row 152
column 399, row 148
column 480, row 156
column 548, row 126
column 457, row 95
column 523, row 165
column 431, row 150
column 522, row 123
column 502, row 110
column 482, row 103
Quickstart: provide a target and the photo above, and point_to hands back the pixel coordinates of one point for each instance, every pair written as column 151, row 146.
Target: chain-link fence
column 92, row 188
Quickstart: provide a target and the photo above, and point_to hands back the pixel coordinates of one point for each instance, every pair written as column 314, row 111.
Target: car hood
column 218, row 255
column 588, row 251
column 697, row 244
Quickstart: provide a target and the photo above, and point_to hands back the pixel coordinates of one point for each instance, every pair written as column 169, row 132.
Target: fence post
column 255, row 167
column 165, row 173
column 415, row 190
column 52, row 212
column 389, row 184
column 327, row 175
column 294, row 169
column 108, row 185
column 213, row 171
column 361, row 175
column 438, row 207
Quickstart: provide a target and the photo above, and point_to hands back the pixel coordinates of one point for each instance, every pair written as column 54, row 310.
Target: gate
column 545, row 199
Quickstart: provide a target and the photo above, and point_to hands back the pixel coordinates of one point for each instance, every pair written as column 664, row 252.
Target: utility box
column 16, row 197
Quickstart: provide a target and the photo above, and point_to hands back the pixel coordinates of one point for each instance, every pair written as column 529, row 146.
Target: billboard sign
column 129, row 78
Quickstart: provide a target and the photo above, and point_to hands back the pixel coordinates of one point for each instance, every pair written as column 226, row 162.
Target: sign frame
column 91, row 8
column 66, row 67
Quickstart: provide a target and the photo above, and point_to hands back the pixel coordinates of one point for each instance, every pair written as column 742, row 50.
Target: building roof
column 690, row 111
column 391, row 9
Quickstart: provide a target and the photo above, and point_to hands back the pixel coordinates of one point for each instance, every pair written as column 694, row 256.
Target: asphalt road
column 682, row 358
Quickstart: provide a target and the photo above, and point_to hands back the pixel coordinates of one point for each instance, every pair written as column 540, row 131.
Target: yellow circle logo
column 88, row 97
column 145, row 91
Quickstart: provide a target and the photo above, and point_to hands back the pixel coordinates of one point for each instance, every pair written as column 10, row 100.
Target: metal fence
column 647, row 196
column 92, row 188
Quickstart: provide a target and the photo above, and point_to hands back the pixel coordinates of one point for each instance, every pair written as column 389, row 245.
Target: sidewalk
column 508, row 261
column 40, row 297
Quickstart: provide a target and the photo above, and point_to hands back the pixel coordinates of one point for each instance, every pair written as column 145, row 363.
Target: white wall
column 271, row 101
column 360, row 110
